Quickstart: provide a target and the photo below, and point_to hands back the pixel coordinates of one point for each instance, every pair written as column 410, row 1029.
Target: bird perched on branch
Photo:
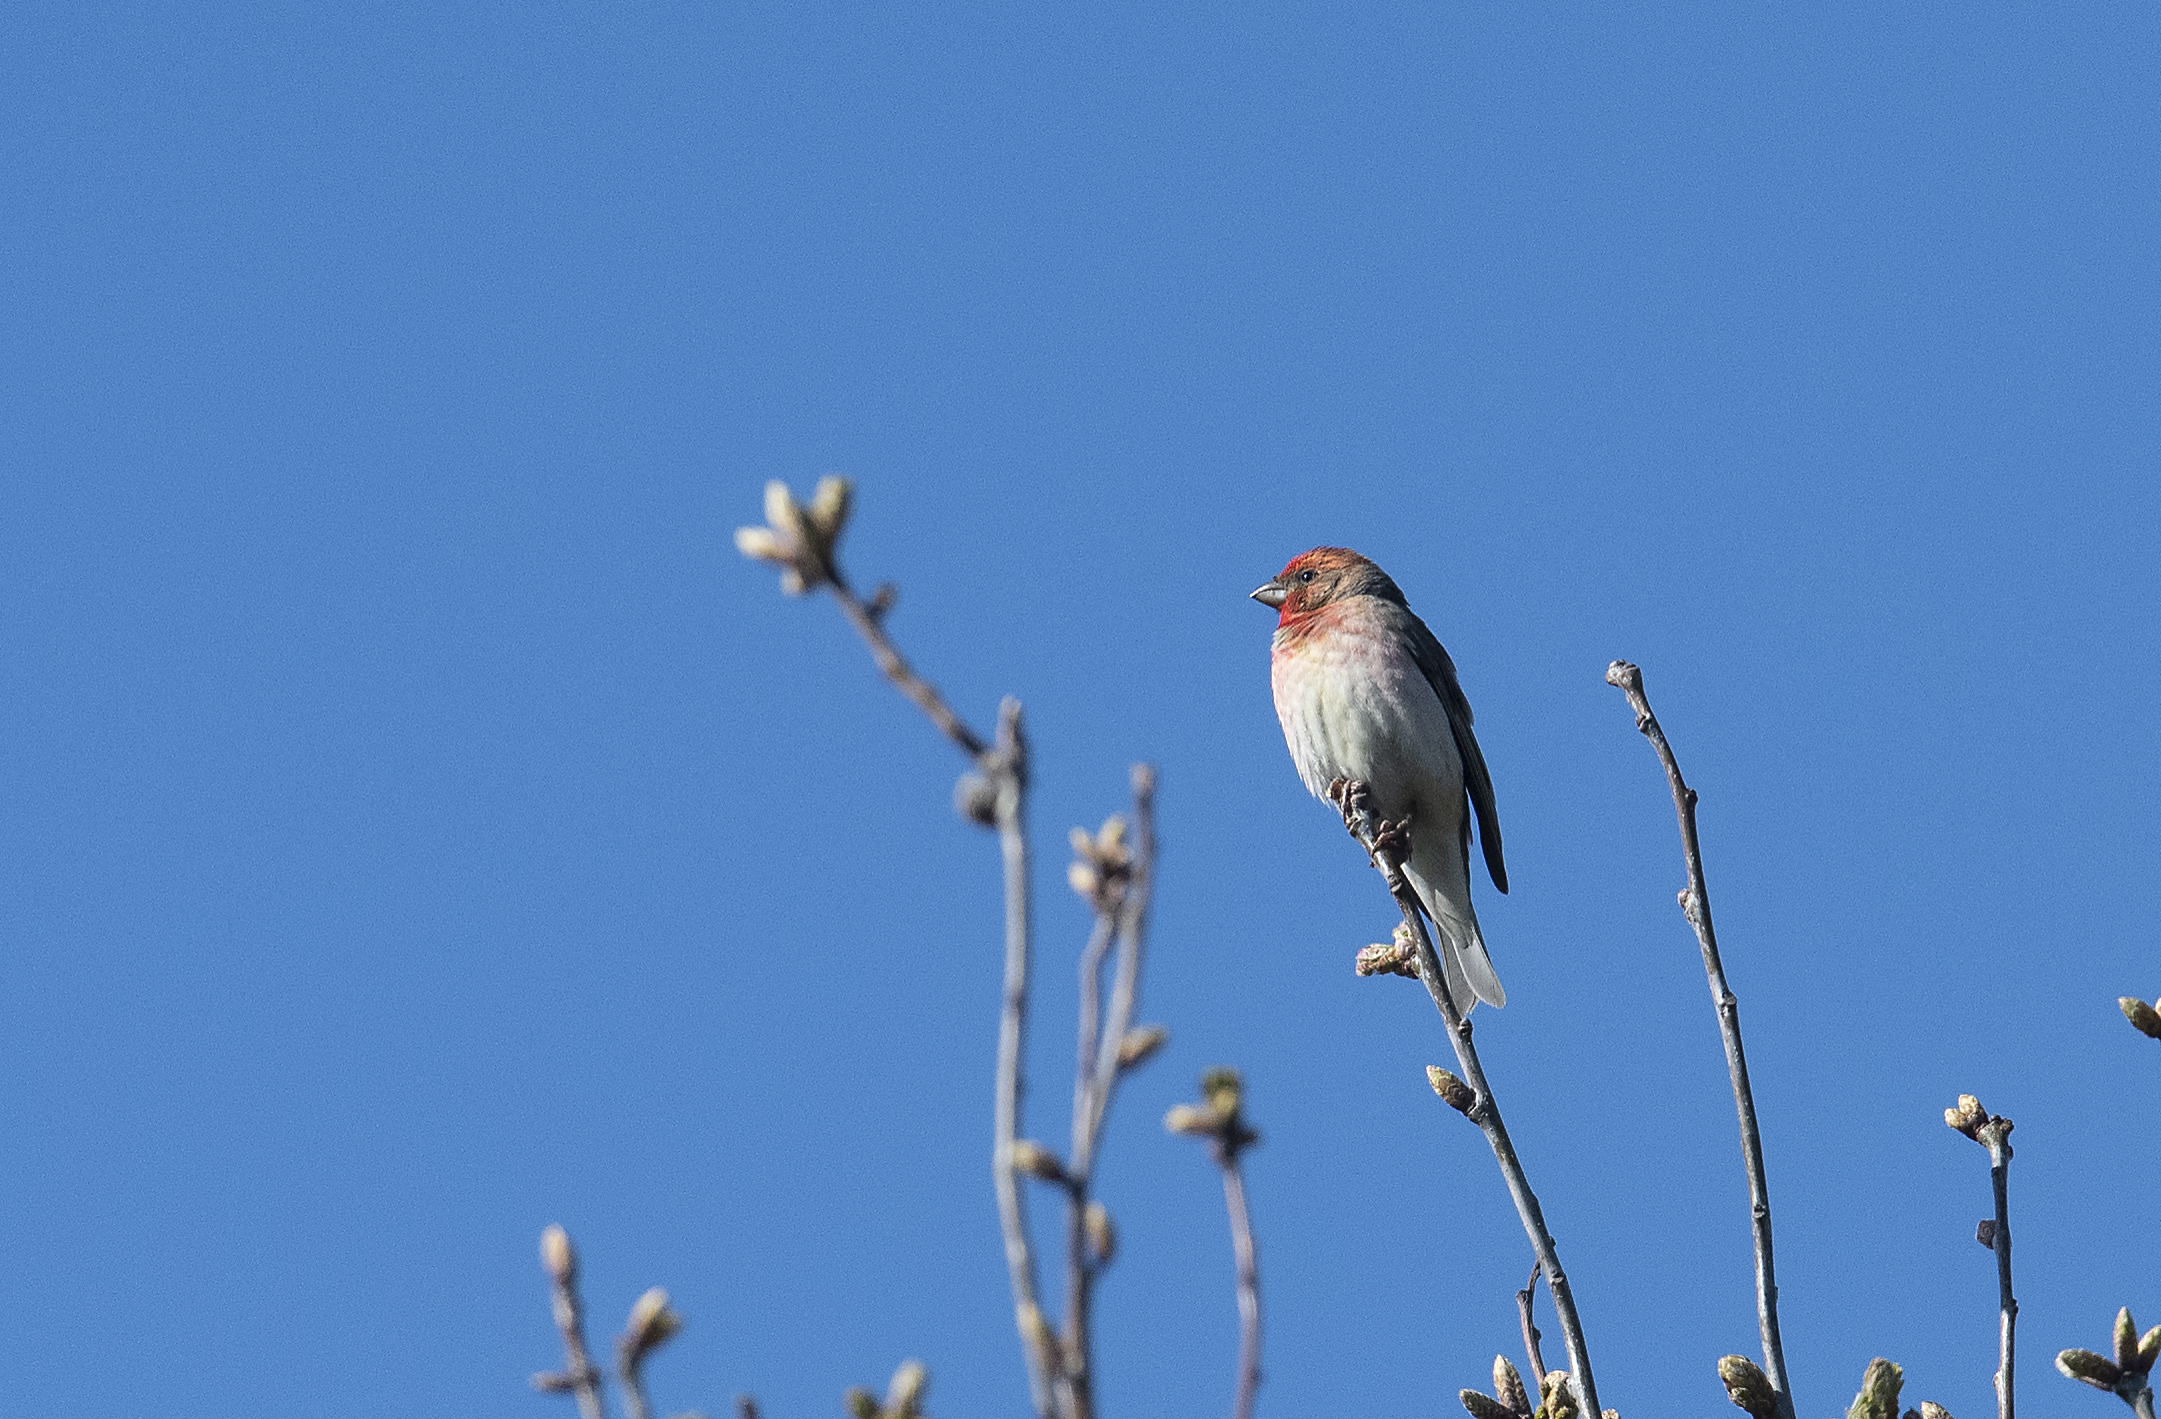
column 1365, row 692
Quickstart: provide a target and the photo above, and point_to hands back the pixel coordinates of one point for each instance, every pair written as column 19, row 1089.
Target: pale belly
column 1352, row 708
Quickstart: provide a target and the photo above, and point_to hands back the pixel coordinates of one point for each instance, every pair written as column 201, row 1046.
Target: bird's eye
column 1305, row 576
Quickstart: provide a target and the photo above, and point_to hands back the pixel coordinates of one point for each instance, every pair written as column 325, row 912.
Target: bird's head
column 1321, row 578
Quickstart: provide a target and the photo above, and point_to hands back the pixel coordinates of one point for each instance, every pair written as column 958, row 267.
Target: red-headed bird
column 1365, row 692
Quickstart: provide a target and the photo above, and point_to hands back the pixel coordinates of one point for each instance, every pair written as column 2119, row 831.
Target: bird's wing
column 1440, row 672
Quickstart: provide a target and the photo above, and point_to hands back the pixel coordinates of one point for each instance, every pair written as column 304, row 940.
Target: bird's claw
column 1393, row 840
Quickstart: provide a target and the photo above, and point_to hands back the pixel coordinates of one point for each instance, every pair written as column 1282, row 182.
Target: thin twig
column 579, row 1373
column 1097, row 1071
column 1247, row 1253
column 1386, row 849
column 1531, row 1337
column 1011, row 758
column 1696, row 906
column 915, row 687
column 634, row 1401
column 1005, row 766
column 1999, row 1176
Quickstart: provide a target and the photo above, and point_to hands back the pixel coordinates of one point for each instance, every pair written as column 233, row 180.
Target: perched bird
column 1365, row 692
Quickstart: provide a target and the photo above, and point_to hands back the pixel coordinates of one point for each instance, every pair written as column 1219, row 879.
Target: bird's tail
column 1466, row 965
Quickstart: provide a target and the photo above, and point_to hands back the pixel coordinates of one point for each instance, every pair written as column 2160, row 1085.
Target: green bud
column 1747, row 1386
column 861, row 1403
column 1559, row 1396
column 1453, row 1091
column 1223, row 1090
column 2149, row 1349
column 2089, row 1368
column 1880, row 1385
column 1508, row 1386
column 2143, row 1017
column 1930, row 1409
column 2126, row 1338
column 1484, row 1406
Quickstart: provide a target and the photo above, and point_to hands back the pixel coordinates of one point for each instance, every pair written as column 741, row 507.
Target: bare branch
column 1247, row 1254
column 1384, row 844
column 653, row 1322
column 1010, row 760
column 925, row 695
column 801, row 540
column 1531, row 1337
column 1116, row 877
column 1221, row 1120
column 578, row 1376
column 1696, row 906
column 1993, row 1132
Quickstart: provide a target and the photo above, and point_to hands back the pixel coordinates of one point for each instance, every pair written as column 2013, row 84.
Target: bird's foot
column 1393, row 840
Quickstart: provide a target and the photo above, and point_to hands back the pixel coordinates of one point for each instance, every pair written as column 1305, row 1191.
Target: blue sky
column 417, row 825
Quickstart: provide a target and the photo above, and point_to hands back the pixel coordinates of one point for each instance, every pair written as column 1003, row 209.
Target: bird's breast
column 1353, row 704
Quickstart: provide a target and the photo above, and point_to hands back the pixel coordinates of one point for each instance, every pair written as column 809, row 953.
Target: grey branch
column 1384, row 845
column 1696, row 906
column 1221, row 1120
column 1531, row 1337
column 578, row 1374
column 1121, row 917
column 1249, row 1283
column 1999, row 1170
column 801, row 541
column 1993, row 1132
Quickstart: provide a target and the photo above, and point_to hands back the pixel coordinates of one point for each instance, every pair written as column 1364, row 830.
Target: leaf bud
column 2149, row 1349
column 828, row 511
column 976, row 799
column 1102, row 1236
column 2126, row 1338
column 1930, row 1409
column 651, row 1325
column 905, row 1394
column 1190, row 1119
column 1034, row 1159
column 1508, row 1387
column 558, row 1255
column 759, row 544
column 2089, row 1368
column 1399, row 957
column 1140, row 1045
column 861, row 1403
column 1880, row 1383
column 2143, row 1017
column 1748, row 1386
column 1967, row 1118
column 1036, row 1331
column 1453, row 1091
column 1484, row 1406
column 1224, row 1091
column 1559, row 1396
column 1081, row 876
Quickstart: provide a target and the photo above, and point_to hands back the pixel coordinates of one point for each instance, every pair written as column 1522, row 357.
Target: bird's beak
column 1272, row 595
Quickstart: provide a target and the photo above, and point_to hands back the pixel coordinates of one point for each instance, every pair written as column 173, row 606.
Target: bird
column 1364, row 691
